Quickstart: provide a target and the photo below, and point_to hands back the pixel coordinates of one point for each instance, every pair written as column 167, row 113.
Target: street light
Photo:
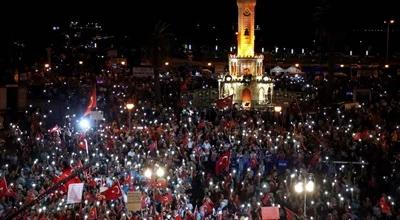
column 148, row 173
column 388, row 22
column 84, row 124
column 160, row 172
column 130, row 106
column 80, row 62
column 297, row 65
column 278, row 108
column 305, row 185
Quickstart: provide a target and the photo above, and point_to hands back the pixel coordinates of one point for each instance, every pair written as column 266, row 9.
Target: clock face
column 246, row 12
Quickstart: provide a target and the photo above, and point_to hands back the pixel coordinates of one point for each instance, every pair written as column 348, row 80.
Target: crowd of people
column 218, row 163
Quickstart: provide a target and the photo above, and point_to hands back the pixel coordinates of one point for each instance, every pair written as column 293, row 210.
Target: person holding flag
column 223, row 163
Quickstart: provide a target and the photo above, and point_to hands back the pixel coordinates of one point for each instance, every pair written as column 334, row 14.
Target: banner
column 134, row 201
column 75, row 191
column 270, row 213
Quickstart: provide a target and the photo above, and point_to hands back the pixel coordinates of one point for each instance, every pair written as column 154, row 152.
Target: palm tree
column 158, row 50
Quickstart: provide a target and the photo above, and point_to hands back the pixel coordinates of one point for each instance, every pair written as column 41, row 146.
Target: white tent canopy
column 293, row 70
column 277, row 69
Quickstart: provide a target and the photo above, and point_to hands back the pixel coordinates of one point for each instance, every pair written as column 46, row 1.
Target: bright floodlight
column 299, row 187
column 130, row 106
column 277, row 108
column 84, row 123
column 310, row 186
column 160, row 172
column 148, row 173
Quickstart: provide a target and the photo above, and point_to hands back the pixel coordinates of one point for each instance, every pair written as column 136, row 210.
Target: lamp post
column 278, row 113
column 130, row 106
column 388, row 22
column 304, row 185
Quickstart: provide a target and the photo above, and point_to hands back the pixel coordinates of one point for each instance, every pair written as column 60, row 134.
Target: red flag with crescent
column 223, row 163
column 165, row 199
column 111, row 193
column 65, row 174
column 92, row 213
column 92, row 102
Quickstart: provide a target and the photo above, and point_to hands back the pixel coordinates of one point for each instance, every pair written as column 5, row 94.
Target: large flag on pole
column 224, row 102
column 75, row 191
column 92, row 102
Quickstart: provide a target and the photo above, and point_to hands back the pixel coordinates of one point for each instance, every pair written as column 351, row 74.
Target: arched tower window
column 246, row 32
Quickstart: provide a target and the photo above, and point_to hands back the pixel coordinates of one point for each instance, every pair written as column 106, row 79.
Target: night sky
column 282, row 21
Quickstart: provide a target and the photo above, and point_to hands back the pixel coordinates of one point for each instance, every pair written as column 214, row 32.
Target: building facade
column 246, row 80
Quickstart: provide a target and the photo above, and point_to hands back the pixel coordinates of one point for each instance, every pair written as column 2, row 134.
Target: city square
column 187, row 119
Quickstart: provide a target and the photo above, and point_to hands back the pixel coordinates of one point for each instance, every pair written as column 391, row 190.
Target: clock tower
column 246, row 80
column 246, row 12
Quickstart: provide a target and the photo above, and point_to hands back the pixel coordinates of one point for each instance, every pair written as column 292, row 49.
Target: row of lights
column 167, row 64
column 386, row 66
column 80, row 62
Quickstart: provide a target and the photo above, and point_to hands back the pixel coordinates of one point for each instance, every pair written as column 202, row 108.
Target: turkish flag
column 112, row 193
column 65, row 174
column 208, row 206
column 165, row 199
column 289, row 214
column 361, row 135
column 92, row 213
column 223, row 163
column 3, row 187
column 224, row 102
column 384, row 205
column 4, row 190
column 92, row 102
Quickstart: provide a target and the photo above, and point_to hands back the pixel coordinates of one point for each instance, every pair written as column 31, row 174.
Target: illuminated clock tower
column 246, row 12
column 246, row 80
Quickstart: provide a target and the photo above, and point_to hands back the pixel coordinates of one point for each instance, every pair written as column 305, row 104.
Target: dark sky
column 282, row 20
